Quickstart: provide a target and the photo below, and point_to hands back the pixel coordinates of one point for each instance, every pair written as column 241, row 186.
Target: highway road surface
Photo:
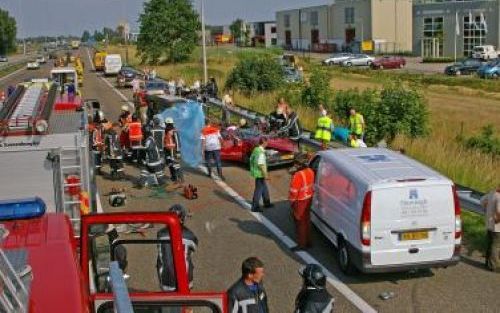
column 228, row 233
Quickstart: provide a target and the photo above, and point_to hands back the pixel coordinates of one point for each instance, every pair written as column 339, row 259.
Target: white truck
column 44, row 151
column 384, row 211
column 112, row 64
column 486, row 52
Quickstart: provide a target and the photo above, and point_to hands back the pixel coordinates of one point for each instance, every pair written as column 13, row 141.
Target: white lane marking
column 90, row 59
column 13, row 73
column 306, row 257
column 98, row 203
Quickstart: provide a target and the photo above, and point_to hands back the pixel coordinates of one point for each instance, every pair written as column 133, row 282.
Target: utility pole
column 204, row 43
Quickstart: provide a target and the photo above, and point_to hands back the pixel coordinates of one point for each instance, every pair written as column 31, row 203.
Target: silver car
column 337, row 58
column 358, row 60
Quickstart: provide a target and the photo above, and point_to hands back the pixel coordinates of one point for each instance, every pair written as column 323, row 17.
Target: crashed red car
column 238, row 145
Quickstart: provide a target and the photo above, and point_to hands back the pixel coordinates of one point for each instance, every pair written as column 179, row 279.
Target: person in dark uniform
column 172, row 146
column 248, row 295
column 158, row 132
column 292, row 126
column 113, row 150
column 277, row 120
column 313, row 297
column 165, row 262
column 212, row 89
column 154, row 165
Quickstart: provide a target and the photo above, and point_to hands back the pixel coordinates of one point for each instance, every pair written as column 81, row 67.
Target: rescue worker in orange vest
column 172, row 148
column 300, row 196
column 134, row 132
column 125, row 119
column 96, row 131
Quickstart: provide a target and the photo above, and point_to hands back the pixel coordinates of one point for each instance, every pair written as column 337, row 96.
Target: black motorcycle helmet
column 180, row 211
column 313, row 276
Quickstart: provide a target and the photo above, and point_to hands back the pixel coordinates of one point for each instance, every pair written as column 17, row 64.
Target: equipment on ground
column 117, row 197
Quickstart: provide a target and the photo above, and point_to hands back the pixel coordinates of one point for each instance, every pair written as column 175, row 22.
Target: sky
column 72, row 17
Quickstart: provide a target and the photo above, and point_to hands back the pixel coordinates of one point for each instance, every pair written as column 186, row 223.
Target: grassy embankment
column 4, row 71
column 453, row 110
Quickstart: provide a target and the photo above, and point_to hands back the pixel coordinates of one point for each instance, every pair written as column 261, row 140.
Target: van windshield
column 478, row 49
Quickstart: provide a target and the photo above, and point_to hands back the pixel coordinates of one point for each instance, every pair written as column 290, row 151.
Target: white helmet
column 125, row 107
column 169, row 120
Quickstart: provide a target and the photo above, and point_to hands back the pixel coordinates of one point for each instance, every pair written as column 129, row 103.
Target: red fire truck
column 44, row 149
column 40, row 272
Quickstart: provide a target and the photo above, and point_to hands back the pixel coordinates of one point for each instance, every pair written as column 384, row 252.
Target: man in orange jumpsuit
column 300, row 196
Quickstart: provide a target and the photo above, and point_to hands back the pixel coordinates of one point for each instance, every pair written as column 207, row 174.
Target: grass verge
column 9, row 69
column 474, row 232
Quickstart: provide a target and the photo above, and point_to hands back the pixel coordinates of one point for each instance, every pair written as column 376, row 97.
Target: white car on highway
column 384, row 211
column 41, row 60
column 33, row 65
column 358, row 60
column 337, row 58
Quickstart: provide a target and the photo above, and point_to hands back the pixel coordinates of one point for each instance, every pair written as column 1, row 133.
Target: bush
column 438, row 60
column 318, row 89
column 255, row 74
column 393, row 110
column 486, row 142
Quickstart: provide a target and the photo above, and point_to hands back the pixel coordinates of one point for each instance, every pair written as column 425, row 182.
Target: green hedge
column 438, row 60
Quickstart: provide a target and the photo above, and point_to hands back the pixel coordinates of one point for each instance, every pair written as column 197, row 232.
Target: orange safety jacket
column 302, row 185
column 169, row 141
column 135, row 131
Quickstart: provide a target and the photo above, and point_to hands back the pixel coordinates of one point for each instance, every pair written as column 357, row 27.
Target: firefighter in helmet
column 313, row 297
column 153, row 171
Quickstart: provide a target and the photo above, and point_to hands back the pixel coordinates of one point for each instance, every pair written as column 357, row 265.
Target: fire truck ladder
column 15, row 280
column 71, row 163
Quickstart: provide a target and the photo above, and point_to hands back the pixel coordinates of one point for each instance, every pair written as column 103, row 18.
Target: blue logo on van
column 413, row 194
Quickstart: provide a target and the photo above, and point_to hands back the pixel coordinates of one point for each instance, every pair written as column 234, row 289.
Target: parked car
column 33, row 65
column 292, row 75
column 490, row 70
column 125, row 76
column 465, row 67
column 155, row 87
column 389, row 62
column 486, row 52
column 337, row 58
column 237, row 146
column 41, row 60
column 384, row 211
column 3, row 58
column 358, row 60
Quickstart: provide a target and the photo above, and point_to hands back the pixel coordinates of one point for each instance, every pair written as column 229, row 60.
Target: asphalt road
column 228, row 234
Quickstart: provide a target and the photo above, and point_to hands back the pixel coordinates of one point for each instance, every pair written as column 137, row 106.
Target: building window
column 273, row 30
column 433, row 36
column 474, row 33
column 349, row 15
column 287, row 20
column 314, row 18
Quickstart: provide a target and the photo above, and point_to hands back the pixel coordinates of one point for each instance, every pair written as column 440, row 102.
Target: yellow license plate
column 415, row 235
column 287, row 157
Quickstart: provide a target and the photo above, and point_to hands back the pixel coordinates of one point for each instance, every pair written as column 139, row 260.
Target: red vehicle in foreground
column 389, row 62
column 238, row 145
column 41, row 273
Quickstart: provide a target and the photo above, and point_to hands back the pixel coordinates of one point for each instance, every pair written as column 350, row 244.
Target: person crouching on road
column 491, row 202
column 113, row 150
column 211, row 143
column 324, row 129
column 154, row 165
column 355, row 142
column 248, row 295
column 300, row 196
column 172, row 148
column 258, row 170
column 313, row 297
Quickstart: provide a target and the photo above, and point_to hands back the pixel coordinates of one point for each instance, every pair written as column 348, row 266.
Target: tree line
column 8, row 31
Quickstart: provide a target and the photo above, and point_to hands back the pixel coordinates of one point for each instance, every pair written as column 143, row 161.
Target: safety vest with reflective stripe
column 324, row 129
column 302, row 185
column 356, row 125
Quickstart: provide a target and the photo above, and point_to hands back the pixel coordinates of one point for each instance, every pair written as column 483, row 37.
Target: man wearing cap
column 491, row 203
column 300, row 196
column 172, row 148
column 313, row 297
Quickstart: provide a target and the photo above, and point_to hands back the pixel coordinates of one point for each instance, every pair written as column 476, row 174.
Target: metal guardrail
column 469, row 198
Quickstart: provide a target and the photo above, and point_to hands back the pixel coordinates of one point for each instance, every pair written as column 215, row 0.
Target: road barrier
column 469, row 198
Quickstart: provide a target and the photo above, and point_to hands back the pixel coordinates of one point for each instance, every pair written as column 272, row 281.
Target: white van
column 112, row 64
column 384, row 211
column 486, row 52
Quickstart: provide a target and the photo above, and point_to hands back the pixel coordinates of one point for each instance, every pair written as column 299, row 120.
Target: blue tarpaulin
column 189, row 120
column 341, row 134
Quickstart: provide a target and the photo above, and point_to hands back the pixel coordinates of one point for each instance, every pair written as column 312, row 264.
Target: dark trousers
column 215, row 157
column 170, row 162
column 302, row 218
column 97, row 158
column 261, row 191
column 493, row 251
column 116, row 166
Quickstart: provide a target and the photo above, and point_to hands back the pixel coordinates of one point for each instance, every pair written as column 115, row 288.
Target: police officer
column 172, row 148
column 113, row 150
column 248, row 295
column 313, row 297
column 154, row 164
column 165, row 263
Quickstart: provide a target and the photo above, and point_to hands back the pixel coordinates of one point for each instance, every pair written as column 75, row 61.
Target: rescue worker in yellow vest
column 324, row 129
column 300, row 196
column 355, row 142
column 356, row 123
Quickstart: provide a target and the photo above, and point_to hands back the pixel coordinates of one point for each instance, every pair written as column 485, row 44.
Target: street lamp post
column 204, row 43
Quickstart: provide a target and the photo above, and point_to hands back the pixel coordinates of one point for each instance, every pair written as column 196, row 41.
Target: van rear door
column 412, row 222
